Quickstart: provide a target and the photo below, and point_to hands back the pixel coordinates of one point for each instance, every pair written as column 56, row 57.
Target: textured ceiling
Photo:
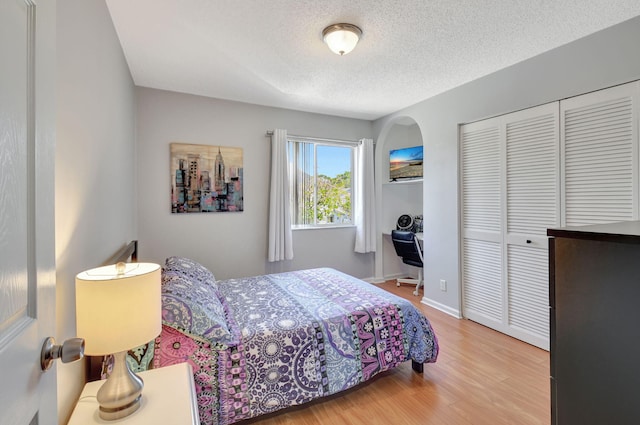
column 270, row 52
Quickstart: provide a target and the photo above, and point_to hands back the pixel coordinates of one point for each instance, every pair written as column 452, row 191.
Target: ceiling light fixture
column 341, row 38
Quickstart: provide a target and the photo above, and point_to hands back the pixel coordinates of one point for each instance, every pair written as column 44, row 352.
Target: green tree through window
column 321, row 184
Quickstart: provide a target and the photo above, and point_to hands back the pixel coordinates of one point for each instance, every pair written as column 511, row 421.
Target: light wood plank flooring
column 481, row 377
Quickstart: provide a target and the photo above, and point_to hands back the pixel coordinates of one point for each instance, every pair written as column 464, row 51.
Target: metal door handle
column 70, row 351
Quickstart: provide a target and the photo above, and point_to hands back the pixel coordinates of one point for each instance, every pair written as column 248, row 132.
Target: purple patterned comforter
column 295, row 337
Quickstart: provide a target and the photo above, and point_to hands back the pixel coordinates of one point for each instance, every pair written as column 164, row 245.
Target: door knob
column 70, row 351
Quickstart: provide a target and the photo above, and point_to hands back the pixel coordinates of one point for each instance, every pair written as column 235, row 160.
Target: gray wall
column 95, row 157
column 109, row 191
column 231, row 244
column 603, row 59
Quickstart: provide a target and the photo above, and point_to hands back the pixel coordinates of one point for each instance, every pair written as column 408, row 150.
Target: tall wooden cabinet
column 595, row 348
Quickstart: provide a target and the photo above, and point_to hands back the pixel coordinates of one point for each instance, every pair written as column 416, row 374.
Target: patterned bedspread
column 294, row 337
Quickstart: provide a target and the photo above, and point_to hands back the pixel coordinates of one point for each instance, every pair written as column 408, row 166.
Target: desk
column 168, row 397
column 418, row 235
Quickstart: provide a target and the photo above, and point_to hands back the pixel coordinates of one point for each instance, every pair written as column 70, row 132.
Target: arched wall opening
column 394, row 198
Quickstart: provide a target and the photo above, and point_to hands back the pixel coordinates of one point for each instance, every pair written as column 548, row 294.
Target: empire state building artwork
column 206, row 178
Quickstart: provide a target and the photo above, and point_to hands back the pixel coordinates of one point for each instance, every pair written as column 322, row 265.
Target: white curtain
column 364, row 211
column 280, row 235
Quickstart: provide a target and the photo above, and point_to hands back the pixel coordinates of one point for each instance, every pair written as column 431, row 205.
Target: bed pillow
column 191, row 269
column 193, row 308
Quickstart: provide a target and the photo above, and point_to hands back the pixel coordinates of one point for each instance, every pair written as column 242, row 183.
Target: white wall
column 231, row 244
column 395, row 199
column 603, row 59
column 95, row 156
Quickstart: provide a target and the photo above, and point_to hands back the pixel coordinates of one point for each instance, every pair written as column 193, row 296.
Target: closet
column 567, row 163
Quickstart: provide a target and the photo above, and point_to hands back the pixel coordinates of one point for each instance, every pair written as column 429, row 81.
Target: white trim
column 322, row 141
column 404, row 181
column 374, row 281
column 443, row 308
column 394, row 276
column 296, row 227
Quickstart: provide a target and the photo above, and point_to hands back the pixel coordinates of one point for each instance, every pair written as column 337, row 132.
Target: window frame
column 293, row 180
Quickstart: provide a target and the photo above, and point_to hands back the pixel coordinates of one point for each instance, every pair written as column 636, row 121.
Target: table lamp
column 118, row 308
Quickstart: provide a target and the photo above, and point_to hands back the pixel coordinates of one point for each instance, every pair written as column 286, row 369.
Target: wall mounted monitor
column 405, row 163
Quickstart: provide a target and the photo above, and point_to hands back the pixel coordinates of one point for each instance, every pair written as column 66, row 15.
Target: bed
column 260, row 344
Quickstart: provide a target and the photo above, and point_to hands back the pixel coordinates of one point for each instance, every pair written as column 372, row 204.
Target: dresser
column 594, row 302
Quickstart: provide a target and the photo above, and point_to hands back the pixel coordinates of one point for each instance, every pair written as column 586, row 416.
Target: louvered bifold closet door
column 480, row 155
column 532, row 206
column 599, row 133
column 510, row 196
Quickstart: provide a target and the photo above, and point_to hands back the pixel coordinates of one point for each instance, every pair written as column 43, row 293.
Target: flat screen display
column 405, row 163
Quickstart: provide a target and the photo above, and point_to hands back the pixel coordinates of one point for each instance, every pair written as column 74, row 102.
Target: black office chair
column 408, row 248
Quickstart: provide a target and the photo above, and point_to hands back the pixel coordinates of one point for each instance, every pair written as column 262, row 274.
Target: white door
column 480, row 153
column 27, row 250
column 510, row 197
column 599, row 142
column 532, row 205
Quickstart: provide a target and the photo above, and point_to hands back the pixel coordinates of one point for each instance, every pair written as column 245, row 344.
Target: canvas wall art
column 206, row 178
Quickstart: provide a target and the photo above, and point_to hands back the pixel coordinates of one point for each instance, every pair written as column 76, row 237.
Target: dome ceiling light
column 341, row 38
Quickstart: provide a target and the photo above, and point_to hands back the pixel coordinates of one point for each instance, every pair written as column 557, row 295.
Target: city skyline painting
column 206, row 178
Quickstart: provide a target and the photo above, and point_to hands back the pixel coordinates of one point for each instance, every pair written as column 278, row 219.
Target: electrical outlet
column 443, row 285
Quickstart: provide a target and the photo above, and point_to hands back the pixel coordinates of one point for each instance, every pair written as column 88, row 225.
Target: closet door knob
column 528, row 240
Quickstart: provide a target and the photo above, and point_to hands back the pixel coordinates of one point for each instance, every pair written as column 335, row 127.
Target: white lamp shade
column 341, row 38
column 115, row 312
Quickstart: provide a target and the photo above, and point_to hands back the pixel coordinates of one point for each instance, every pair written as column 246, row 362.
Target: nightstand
column 168, row 397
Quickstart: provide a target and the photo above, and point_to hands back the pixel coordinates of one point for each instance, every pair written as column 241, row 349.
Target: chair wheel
column 397, row 284
column 415, row 293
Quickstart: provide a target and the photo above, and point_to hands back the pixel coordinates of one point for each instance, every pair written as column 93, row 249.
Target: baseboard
column 374, row 280
column 443, row 308
column 378, row 280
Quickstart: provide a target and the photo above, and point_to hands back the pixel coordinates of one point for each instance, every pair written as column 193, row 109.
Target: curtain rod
column 270, row 133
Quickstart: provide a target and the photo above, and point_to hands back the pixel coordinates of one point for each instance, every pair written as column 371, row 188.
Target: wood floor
column 481, row 377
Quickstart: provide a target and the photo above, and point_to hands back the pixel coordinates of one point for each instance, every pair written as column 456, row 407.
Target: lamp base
column 121, row 393
column 111, row 414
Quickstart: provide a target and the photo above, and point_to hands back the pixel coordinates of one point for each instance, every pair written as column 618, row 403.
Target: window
column 321, row 185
